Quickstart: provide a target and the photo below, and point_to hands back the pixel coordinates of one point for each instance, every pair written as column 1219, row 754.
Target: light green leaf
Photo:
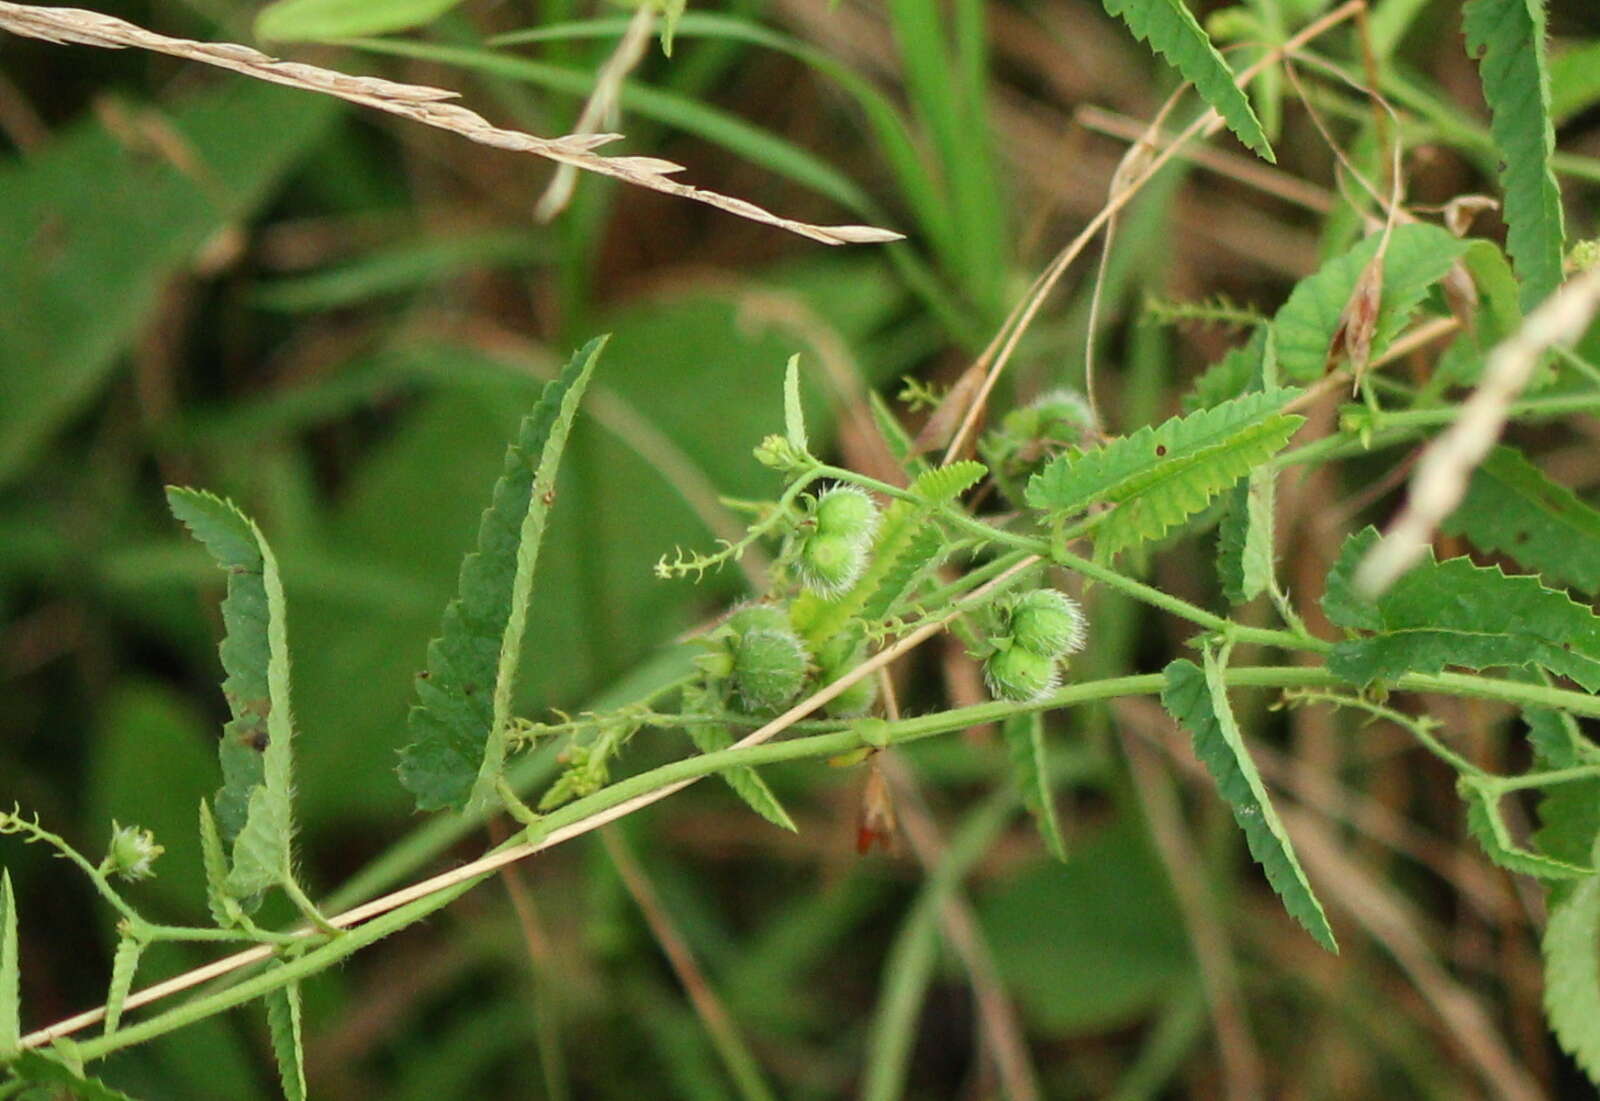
column 10, row 971
column 464, row 699
column 1508, row 39
column 255, row 655
column 1246, row 535
column 1229, row 376
column 1486, row 824
column 124, row 965
column 1513, row 508
column 794, row 414
column 920, row 554
column 224, row 909
column 1571, row 947
column 1030, row 763
column 746, row 782
column 1172, row 31
column 320, row 20
column 1199, row 701
column 94, row 226
column 1419, row 256
column 43, row 1069
column 1456, row 613
column 944, row 484
column 1160, row 476
column 288, row 1047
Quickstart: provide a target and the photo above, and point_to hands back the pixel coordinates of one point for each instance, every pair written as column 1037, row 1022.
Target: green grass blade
column 1508, row 39
column 464, row 698
column 1513, row 508
column 1173, row 32
column 10, row 971
column 1030, row 769
column 1457, row 613
column 288, row 1045
column 1419, row 256
column 321, row 20
column 1198, row 700
column 256, row 745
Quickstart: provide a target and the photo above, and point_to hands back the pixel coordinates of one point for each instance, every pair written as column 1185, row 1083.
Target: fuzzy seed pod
column 848, row 512
column 769, row 668
column 830, row 564
column 835, row 658
column 751, row 617
column 1048, row 622
column 1015, row 673
column 131, row 852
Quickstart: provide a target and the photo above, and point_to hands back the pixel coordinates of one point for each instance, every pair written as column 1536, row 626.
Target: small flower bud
column 131, row 852
column 777, row 453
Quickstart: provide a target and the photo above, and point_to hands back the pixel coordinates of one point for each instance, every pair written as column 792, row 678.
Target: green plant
column 862, row 568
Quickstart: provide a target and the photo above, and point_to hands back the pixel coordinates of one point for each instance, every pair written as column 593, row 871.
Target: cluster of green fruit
column 1034, row 633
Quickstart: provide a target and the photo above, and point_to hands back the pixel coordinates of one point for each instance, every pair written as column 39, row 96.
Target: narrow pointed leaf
column 1173, row 32
column 124, row 965
column 1198, row 700
column 1513, row 508
column 794, row 413
column 746, row 782
column 288, row 1048
column 1508, row 39
column 224, row 909
column 255, row 655
column 463, row 700
column 10, row 971
column 1457, row 613
column 1486, row 824
column 945, row 483
column 1419, row 255
column 1025, row 745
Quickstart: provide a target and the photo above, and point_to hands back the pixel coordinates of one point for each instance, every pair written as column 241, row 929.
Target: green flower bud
column 848, row 512
column 1015, row 673
column 769, row 669
column 829, row 564
column 131, row 852
column 1047, row 622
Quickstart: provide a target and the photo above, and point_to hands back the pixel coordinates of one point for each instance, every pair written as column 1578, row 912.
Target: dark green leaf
column 1489, row 828
column 746, row 782
column 288, row 1047
column 1199, row 701
column 457, row 724
column 42, row 1069
column 1030, row 768
column 1513, row 508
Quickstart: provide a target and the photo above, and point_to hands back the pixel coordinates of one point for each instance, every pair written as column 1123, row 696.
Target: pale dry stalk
column 416, row 102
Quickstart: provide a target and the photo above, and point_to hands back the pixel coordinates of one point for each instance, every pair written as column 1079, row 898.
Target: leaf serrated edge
column 124, row 966
column 288, row 1046
column 1028, row 752
column 10, row 971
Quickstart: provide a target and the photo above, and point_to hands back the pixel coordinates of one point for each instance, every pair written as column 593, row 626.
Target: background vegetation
column 337, row 319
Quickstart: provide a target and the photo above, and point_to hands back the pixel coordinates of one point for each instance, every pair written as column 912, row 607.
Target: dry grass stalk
column 416, row 102
column 1446, row 466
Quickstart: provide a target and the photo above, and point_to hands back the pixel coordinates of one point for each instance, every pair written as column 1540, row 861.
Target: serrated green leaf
column 320, row 20
column 1456, row 613
column 1245, row 538
column 1486, row 824
column 41, row 1069
column 1419, row 256
column 1025, row 745
column 746, row 782
column 920, row 555
column 10, row 971
column 224, row 910
column 1508, row 39
column 124, row 965
column 1513, row 508
column 794, row 414
column 1173, row 32
column 945, row 483
column 1571, row 947
column 288, row 1046
column 1230, row 376
column 463, row 700
column 1198, row 700
column 255, row 655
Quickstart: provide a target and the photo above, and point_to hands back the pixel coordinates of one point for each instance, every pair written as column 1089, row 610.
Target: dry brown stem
column 416, row 102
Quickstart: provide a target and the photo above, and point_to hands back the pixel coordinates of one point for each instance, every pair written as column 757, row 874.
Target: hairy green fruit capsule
column 1047, row 622
column 848, row 512
column 829, row 564
column 763, row 617
column 769, row 668
column 1016, row 673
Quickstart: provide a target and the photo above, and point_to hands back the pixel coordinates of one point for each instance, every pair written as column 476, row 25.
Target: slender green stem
column 198, row 933
column 1501, row 784
column 307, row 908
